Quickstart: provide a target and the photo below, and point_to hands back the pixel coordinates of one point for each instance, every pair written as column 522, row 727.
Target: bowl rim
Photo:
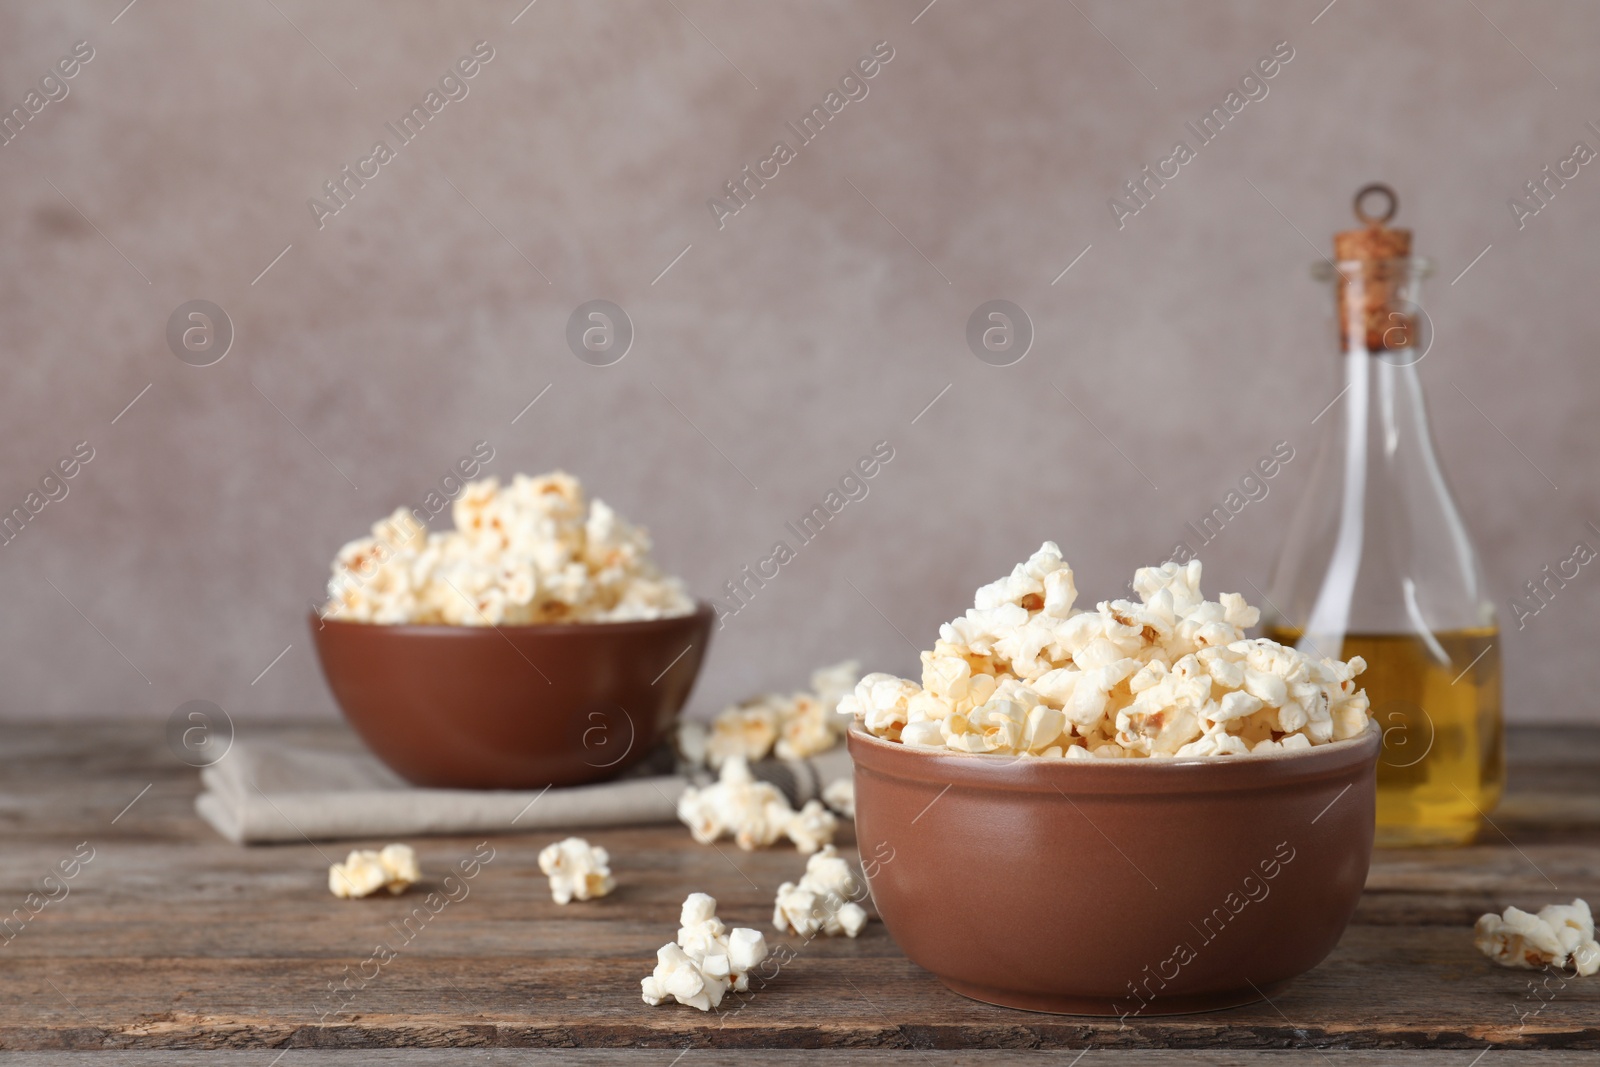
column 702, row 610
column 1031, row 774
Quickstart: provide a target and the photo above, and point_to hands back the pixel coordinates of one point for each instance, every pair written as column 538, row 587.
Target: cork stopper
column 1374, row 264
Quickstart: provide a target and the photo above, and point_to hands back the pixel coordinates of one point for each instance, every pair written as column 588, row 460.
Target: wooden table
column 172, row 939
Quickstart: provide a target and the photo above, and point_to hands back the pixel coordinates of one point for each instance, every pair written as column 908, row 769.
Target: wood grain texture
column 170, row 938
column 783, row 1058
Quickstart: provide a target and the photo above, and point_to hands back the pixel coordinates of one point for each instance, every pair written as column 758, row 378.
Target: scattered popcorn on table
column 706, row 961
column 401, row 863
column 1024, row 673
column 754, row 813
column 360, row 875
column 746, row 731
column 790, row 727
column 691, row 740
column 840, row 795
column 1560, row 935
column 364, row 872
column 823, row 901
column 812, row 827
column 810, row 724
column 535, row 551
column 577, row 870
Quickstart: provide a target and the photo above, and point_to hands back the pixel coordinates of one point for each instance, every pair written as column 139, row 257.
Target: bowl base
column 1116, row 1007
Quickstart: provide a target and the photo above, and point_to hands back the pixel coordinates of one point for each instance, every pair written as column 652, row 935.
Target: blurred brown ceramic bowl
column 512, row 707
column 1115, row 887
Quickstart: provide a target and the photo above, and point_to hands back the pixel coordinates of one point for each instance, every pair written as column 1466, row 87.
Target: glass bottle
column 1377, row 562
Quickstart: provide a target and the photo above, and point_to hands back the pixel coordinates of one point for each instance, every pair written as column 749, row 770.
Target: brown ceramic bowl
column 1116, row 887
column 512, row 707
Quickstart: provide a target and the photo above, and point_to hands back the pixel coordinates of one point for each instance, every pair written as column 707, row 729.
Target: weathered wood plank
column 771, row 1058
column 170, row 939
column 1425, row 987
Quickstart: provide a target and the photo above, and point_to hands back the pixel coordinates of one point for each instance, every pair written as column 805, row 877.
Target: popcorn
column 832, row 684
column 577, row 870
column 1559, row 935
column 693, row 742
column 840, row 795
column 881, row 701
column 823, row 900
column 812, row 827
column 364, row 872
column 706, row 960
column 755, row 814
column 360, row 875
column 746, row 731
column 1025, row 673
column 534, row 551
column 810, row 726
column 400, row 861
column 790, row 727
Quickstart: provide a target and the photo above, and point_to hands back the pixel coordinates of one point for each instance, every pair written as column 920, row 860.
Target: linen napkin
column 272, row 790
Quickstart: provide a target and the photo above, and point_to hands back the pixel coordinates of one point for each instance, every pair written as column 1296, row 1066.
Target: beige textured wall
column 795, row 337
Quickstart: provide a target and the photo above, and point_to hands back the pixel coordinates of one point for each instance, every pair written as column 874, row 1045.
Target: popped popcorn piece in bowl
column 366, row 871
column 1052, row 752
column 534, row 551
column 577, row 870
column 1559, row 935
column 1025, row 673
column 705, row 961
column 534, row 644
column 823, row 901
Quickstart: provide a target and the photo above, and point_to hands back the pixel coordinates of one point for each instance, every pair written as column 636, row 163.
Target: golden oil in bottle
column 1378, row 562
column 1437, row 701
